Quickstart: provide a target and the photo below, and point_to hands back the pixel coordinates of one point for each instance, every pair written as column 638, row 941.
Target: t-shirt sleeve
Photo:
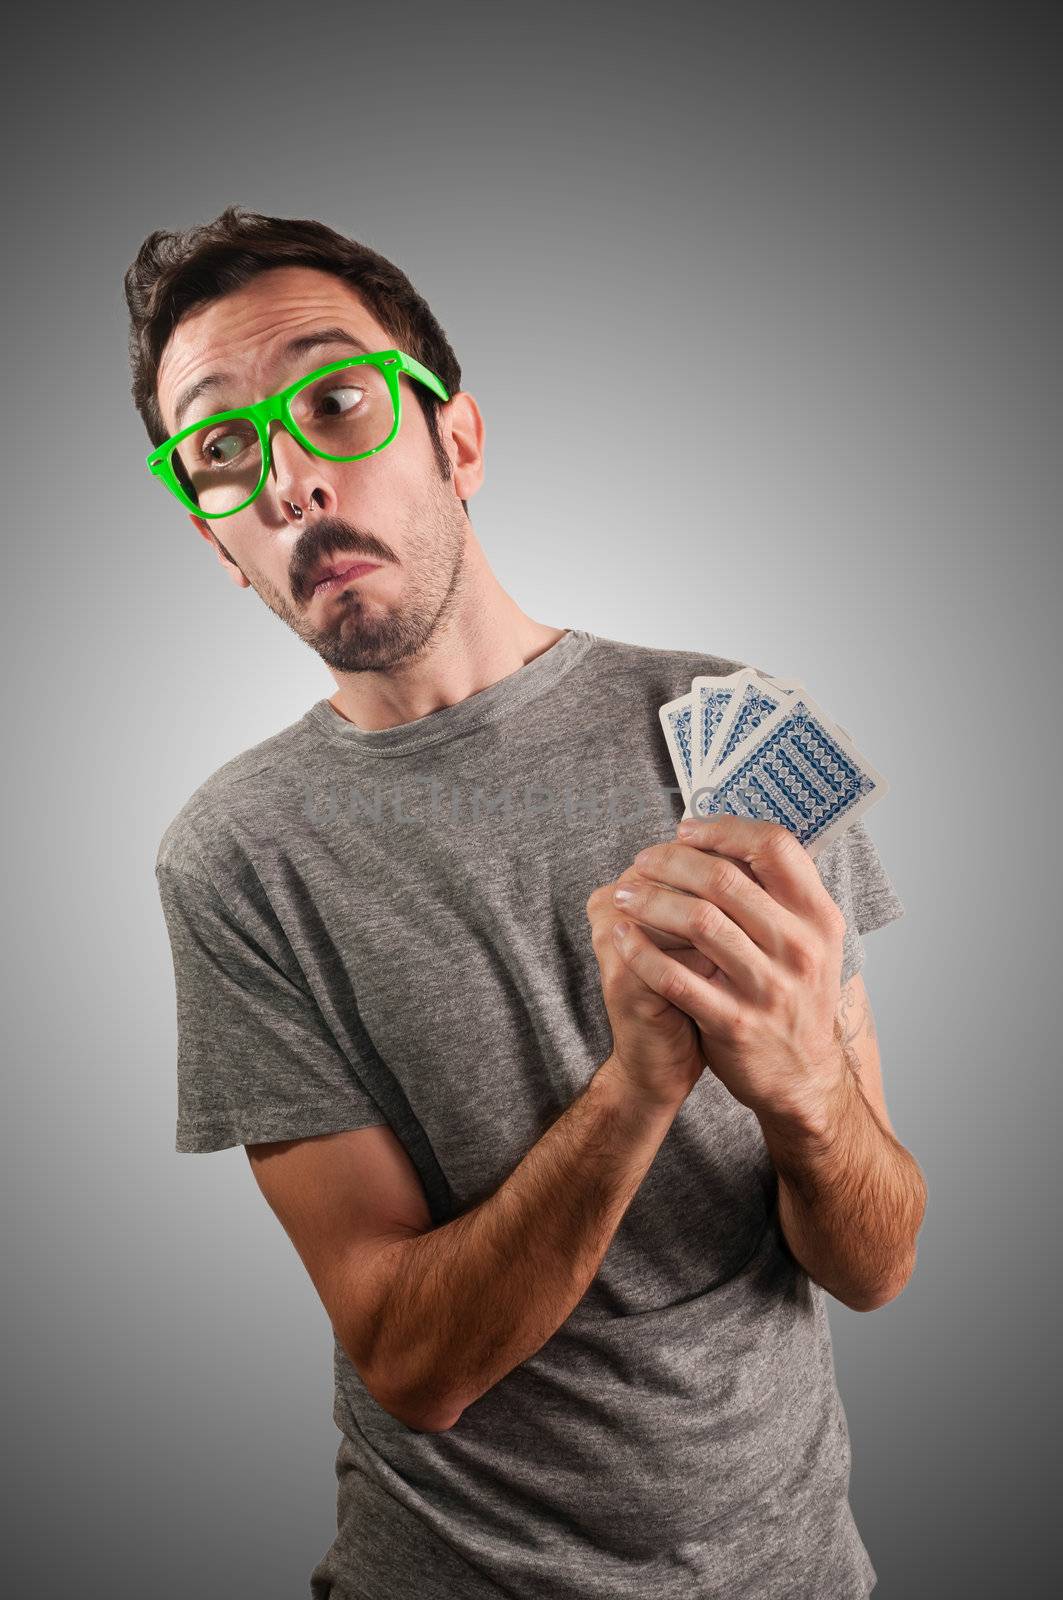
column 853, row 875
column 255, row 1057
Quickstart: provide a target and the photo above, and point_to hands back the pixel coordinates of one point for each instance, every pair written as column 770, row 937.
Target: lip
column 357, row 569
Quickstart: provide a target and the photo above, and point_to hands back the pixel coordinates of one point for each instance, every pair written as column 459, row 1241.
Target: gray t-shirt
column 389, row 927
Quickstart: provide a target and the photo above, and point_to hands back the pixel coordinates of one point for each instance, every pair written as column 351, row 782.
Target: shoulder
column 199, row 828
column 660, row 674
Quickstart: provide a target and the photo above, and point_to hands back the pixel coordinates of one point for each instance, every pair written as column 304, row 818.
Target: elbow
column 872, row 1302
column 417, row 1411
column 895, row 1286
column 889, row 1291
column 421, row 1422
column 416, row 1414
column 441, row 1426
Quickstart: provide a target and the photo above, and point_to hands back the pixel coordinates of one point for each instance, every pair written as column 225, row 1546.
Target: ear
column 207, row 532
column 463, row 426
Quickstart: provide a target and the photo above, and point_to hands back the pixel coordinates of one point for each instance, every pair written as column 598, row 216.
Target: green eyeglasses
column 217, row 467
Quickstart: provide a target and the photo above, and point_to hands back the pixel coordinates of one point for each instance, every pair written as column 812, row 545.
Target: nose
column 290, row 448
column 295, row 470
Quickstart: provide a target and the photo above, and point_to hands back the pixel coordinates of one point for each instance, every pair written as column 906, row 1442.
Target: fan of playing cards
column 751, row 745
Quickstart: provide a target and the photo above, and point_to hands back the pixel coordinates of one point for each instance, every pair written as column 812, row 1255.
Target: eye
column 216, row 443
column 347, row 389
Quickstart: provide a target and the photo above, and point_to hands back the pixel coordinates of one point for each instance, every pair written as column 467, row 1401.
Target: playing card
column 727, row 710
column 675, row 720
column 710, row 700
column 689, row 722
column 719, row 720
column 692, row 723
column 793, row 765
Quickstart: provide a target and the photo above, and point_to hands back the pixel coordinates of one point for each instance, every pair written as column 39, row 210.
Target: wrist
column 631, row 1095
column 814, row 1118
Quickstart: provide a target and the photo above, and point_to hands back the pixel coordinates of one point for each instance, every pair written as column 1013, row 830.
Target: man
column 570, row 1197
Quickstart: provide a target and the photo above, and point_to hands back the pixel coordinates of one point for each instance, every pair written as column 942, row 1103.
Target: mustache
column 323, row 542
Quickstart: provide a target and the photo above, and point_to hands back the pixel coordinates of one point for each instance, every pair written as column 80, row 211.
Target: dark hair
column 174, row 272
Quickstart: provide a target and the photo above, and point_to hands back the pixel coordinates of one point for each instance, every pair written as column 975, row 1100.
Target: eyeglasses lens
column 342, row 414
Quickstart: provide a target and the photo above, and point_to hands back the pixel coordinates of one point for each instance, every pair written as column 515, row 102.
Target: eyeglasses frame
column 392, row 363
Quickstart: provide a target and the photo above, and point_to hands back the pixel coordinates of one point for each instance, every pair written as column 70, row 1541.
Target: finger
column 676, row 942
column 703, row 965
column 671, row 941
column 730, row 885
column 710, row 1002
column 631, row 878
column 778, row 858
column 707, row 927
column 602, row 911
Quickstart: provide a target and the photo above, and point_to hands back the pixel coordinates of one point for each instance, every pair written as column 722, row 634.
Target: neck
column 484, row 637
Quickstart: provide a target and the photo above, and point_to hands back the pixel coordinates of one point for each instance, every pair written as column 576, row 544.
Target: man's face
column 401, row 507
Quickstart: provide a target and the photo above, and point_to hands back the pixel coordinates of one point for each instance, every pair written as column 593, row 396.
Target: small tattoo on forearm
column 855, row 1017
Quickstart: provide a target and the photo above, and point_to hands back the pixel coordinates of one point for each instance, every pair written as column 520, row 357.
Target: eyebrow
column 300, row 346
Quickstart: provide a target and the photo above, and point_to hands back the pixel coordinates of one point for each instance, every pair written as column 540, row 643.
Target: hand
column 773, row 938
column 655, row 1045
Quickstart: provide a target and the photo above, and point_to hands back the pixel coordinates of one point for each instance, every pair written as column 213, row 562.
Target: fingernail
column 622, row 896
column 619, row 929
column 685, row 829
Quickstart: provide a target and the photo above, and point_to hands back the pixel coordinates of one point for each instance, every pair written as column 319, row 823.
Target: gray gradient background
column 814, row 251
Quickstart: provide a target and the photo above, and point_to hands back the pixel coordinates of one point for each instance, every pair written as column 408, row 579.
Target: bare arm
column 851, row 1198
column 469, row 1301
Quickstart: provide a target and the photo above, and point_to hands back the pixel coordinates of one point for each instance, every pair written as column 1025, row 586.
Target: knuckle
column 706, row 919
column 728, row 875
column 740, row 1030
column 793, row 953
column 675, row 984
column 784, row 842
column 600, row 902
column 804, row 960
column 638, row 1004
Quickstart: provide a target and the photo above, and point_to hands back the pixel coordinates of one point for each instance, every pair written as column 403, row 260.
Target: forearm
column 471, row 1300
column 851, row 1199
